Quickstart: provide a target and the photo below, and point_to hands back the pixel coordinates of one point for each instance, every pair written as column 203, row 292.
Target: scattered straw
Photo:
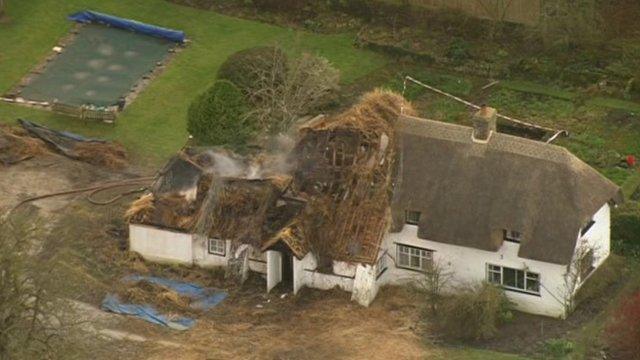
column 111, row 155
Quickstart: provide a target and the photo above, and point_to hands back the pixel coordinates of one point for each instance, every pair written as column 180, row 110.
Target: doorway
column 287, row 270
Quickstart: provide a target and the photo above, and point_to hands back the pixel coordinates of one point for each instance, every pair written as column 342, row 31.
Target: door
column 287, row 271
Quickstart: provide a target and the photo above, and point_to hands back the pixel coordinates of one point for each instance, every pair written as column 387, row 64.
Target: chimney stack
column 484, row 123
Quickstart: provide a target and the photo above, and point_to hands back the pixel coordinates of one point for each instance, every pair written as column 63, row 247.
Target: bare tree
column 435, row 280
column 282, row 93
column 577, row 271
column 32, row 322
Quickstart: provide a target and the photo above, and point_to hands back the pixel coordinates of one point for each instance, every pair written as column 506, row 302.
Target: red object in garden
column 631, row 161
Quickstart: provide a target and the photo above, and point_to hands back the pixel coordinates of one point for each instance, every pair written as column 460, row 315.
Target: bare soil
column 311, row 325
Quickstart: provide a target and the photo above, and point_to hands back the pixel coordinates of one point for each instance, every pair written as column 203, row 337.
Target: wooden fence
column 526, row 12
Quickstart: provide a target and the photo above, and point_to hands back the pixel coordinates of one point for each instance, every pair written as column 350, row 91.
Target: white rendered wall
column 468, row 266
column 365, row 286
column 305, row 274
column 202, row 256
column 258, row 265
column 274, row 269
column 598, row 238
column 161, row 245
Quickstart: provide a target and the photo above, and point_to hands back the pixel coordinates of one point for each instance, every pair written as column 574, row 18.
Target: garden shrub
column 625, row 230
column 459, row 51
column 220, row 116
column 246, row 67
column 279, row 90
column 623, row 334
column 474, row 313
column 558, row 348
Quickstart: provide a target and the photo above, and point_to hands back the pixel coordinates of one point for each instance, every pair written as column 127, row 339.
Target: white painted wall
column 599, row 236
column 305, row 274
column 365, row 286
column 274, row 269
column 203, row 258
column 468, row 265
column 161, row 245
column 344, row 268
column 258, row 261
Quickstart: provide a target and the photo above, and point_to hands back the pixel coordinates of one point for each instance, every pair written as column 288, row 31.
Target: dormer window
column 412, row 217
column 587, row 227
column 512, row 236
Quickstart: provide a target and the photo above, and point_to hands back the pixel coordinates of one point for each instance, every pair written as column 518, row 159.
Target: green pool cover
column 98, row 67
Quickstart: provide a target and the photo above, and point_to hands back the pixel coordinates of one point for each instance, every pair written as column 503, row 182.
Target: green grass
column 153, row 126
column 533, row 88
column 475, row 354
column 631, row 185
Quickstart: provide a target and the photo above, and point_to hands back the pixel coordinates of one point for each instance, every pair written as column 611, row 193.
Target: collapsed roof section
column 191, row 196
column 336, row 203
column 344, row 171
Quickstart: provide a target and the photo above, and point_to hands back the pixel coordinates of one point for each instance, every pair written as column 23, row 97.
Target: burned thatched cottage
column 377, row 196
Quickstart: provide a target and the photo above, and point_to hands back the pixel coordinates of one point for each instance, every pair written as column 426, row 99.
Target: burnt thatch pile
column 165, row 299
column 92, row 151
column 16, row 145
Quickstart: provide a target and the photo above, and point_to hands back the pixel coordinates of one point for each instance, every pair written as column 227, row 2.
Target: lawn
column 153, row 126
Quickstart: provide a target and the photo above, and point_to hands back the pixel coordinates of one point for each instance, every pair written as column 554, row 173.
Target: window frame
column 509, row 235
column 407, row 217
column 585, row 229
column 526, row 276
column 414, row 252
column 215, row 251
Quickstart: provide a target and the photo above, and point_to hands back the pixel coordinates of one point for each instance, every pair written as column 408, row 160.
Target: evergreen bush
column 220, row 116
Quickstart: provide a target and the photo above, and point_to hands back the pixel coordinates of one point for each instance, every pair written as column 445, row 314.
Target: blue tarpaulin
column 89, row 16
column 202, row 299
column 145, row 312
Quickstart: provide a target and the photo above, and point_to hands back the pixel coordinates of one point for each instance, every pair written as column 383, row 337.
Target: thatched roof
column 188, row 197
column 468, row 193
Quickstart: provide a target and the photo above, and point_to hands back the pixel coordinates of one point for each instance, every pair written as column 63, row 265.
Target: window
column 414, row 258
column 513, row 236
column 514, row 279
column 587, row 227
column 217, row 247
column 412, row 217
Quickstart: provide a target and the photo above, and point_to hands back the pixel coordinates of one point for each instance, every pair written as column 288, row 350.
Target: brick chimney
column 484, row 124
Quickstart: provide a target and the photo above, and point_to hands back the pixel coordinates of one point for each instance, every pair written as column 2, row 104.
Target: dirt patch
column 48, row 174
column 311, row 325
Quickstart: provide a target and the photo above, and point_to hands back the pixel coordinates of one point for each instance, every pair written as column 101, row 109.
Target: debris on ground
column 162, row 301
column 16, row 145
column 93, row 151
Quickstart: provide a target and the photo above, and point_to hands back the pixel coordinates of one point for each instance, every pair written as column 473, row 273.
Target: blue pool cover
column 89, row 16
